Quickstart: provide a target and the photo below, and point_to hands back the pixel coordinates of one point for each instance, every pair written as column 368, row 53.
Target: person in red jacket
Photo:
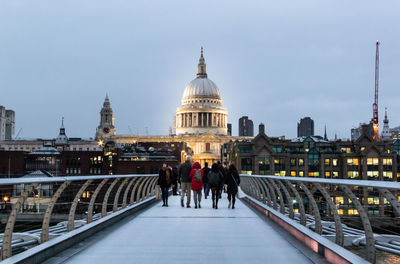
column 196, row 176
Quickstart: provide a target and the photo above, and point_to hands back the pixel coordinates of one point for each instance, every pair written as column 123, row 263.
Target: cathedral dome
column 201, row 88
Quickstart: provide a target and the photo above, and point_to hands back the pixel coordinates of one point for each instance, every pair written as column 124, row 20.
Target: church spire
column 325, row 136
column 201, row 72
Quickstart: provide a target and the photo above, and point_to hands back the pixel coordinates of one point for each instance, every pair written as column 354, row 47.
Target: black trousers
column 164, row 194
column 232, row 197
column 215, row 193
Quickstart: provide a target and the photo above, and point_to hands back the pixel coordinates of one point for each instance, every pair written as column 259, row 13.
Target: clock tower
column 106, row 128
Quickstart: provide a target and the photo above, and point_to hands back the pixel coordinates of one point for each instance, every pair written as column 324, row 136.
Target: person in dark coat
column 232, row 180
column 215, row 181
column 164, row 181
column 206, row 170
column 174, row 181
column 223, row 172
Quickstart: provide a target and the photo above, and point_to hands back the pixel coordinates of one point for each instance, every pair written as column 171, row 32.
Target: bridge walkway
column 186, row 235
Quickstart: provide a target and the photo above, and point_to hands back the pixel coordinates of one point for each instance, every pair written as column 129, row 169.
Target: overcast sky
column 275, row 61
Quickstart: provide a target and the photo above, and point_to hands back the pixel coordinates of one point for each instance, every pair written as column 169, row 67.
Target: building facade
column 312, row 156
column 305, row 127
column 246, row 127
column 7, row 123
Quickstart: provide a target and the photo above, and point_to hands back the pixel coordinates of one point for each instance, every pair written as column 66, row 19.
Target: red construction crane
column 375, row 122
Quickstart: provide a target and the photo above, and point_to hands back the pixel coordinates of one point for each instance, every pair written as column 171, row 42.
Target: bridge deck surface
column 186, row 235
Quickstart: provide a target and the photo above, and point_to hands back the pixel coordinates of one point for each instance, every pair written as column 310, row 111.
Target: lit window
column 301, row 162
column 352, row 174
column 373, row 174
column 352, row 212
column 327, row 174
column 340, row 211
column 339, row 200
column 327, row 162
column 292, row 162
column 347, row 150
column 335, row 174
column 293, row 173
column 387, row 161
column 388, row 174
column 352, row 161
column 372, row 161
column 334, row 162
column 313, row 174
column 301, row 173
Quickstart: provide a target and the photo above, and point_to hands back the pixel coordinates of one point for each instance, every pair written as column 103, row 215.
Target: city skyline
column 67, row 66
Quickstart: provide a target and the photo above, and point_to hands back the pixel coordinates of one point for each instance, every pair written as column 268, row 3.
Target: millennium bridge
column 117, row 219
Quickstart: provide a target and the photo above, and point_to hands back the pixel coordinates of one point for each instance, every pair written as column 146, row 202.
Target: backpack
column 197, row 176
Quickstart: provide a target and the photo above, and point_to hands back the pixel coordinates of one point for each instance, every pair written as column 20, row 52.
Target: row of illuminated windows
column 335, row 174
column 73, row 170
column 370, row 161
column 372, row 174
column 95, row 171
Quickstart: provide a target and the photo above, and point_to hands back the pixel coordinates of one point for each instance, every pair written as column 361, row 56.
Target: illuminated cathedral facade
column 200, row 121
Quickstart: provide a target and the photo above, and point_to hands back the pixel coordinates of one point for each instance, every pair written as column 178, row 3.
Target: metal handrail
column 143, row 188
column 360, row 183
column 11, row 181
column 271, row 190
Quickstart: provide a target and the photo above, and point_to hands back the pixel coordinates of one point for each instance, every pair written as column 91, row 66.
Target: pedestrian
column 232, row 181
column 206, row 170
column 183, row 174
column 215, row 181
column 174, row 180
column 196, row 175
column 223, row 172
column 164, row 181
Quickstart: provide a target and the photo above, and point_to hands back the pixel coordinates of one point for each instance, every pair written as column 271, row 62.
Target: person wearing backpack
column 196, row 175
column 232, row 180
column 215, row 181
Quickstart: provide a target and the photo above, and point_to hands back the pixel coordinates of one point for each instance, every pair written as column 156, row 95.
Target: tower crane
column 375, row 122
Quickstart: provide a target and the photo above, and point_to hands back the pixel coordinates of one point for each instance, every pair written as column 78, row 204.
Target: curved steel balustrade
column 279, row 193
column 70, row 190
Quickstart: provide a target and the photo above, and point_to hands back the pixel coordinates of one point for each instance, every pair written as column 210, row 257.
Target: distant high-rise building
column 229, row 129
column 106, row 127
column 386, row 133
column 7, row 123
column 357, row 131
column 10, row 124
column 246, row 128
column 305, row 127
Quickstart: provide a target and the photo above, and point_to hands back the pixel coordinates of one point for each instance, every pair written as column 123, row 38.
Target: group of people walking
column 196, row 179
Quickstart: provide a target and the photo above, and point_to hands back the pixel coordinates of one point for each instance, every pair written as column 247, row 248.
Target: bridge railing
column 316, row 197
column 91, row 196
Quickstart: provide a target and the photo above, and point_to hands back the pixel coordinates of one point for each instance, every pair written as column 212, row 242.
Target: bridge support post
column 6, row 251
column 289, row 202
column 116, row 198
column 44, row 236
column 336, row 218
column 105, row 200
column 71, row 216
column 93, row 200
column 128, row 188
column 302, row 210
column 281, row 202
column 369, row 235
column 317, row 216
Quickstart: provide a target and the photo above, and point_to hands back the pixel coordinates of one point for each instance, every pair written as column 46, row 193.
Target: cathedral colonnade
column 201, row 119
